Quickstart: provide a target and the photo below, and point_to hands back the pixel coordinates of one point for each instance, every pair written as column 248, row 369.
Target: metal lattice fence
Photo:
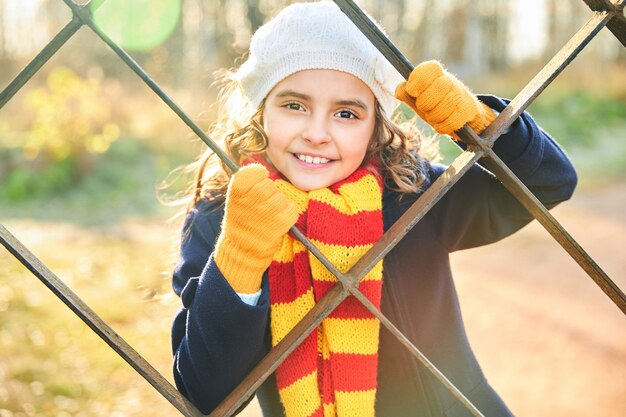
column 603, row 13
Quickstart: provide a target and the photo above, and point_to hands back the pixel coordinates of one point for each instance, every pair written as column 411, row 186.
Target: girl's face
column 318, row 123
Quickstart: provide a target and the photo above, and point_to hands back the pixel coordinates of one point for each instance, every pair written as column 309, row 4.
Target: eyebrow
column 350, row 102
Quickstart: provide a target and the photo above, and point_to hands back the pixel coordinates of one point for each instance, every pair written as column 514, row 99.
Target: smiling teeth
column 313, row 159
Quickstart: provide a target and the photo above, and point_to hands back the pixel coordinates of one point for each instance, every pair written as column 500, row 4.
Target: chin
column 305, row 185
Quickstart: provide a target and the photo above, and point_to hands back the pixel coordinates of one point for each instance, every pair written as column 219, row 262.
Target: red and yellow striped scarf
column 334, row 371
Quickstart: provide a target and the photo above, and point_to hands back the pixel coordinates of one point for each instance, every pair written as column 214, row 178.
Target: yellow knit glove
column 256, row 217
column 443, row 101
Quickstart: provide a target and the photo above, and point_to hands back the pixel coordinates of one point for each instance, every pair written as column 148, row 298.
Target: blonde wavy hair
column 398, row 145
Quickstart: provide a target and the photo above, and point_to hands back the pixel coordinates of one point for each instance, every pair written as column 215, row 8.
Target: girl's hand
column 256, row 217
column 443, row 101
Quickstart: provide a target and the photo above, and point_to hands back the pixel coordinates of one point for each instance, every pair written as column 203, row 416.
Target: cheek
column 272, row 133
column 271, row 151
column 279, row 131
column 276, row 142
column 354, row 152
column 362, row 142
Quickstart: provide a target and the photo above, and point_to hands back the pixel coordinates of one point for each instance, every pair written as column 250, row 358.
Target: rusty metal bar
column 617, row 25
column 87, row 315
column 515, row 186
column 507, row 116
column 547, row 74
column 376, row 37
column 41, row 58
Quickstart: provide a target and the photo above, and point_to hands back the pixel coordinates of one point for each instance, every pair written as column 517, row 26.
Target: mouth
column 315, row 160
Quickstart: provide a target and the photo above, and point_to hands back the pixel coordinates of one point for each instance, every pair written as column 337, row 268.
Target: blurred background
column 86, row 149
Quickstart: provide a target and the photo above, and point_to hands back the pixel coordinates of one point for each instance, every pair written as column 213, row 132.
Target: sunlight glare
column 137, row 25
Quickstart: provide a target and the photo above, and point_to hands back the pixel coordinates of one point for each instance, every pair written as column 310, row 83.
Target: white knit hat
column 315, row 35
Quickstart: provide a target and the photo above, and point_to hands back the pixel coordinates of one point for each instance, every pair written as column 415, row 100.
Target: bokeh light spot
column 137, row 25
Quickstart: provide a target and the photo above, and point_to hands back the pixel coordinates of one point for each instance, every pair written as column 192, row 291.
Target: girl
column 318, row 150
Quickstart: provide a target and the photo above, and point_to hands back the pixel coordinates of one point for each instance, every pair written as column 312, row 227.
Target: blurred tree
column 495, row 27
column 425, row 39
column 223, row 34
column 71, row 120
column 69, row 126
column 255, row 16
column 563, row 20
column 472, row 46
column 459, row 29
column 476, row 37
column 620, row 56
column 3, row 52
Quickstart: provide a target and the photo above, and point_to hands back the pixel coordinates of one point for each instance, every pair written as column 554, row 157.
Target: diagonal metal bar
column 617, row 24
column 87, row 315
column 395, row 233
column 516, row 187
column 40, row 59
column 507, row 116
column 547, row 74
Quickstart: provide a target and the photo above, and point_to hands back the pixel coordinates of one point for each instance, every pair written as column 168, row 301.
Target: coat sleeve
column 216, row 338
column 479, row 210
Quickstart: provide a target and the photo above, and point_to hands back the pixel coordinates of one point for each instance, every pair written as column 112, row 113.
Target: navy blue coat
column 217, row 339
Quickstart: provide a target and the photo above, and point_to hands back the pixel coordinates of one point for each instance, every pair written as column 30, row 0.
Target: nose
column 316, row 131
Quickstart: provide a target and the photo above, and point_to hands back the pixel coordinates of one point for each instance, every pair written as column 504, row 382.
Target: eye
column 293, row 106
column 346, row 114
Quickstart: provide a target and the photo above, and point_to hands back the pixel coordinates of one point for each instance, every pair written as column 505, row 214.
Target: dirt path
column 548, row 338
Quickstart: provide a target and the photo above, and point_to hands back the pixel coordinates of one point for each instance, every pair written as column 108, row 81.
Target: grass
column 591, row 128
column 124, row 182
column 52, row 364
